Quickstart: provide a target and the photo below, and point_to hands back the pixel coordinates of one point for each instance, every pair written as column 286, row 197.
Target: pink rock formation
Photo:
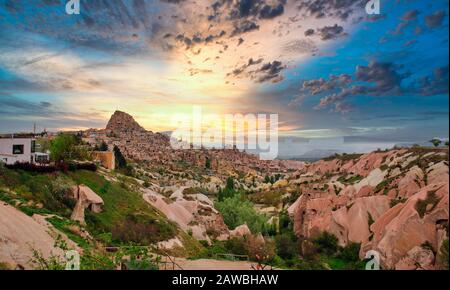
column 416, row 258
column 411, row 182
column 20, row 235
column 356, row 213
column 401, row 228
column 240, row 231
column 86, row 199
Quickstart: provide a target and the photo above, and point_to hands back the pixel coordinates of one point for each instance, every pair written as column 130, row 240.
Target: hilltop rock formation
column 121, row 122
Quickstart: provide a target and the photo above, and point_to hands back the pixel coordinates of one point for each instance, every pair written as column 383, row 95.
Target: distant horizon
column 303, row 149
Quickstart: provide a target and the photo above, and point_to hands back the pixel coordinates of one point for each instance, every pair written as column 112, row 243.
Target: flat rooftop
column 17, row 136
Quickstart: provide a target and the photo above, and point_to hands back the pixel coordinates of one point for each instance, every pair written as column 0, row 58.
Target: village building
column 20, row 148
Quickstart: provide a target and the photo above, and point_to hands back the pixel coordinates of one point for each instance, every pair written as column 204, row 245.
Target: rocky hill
column 121, row 122
column 394, row 202
column 154, row 149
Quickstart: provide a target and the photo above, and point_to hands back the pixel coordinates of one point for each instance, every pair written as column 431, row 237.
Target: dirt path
column 207, row 264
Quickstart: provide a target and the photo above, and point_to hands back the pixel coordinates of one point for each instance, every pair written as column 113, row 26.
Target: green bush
column 125, row 214
column 326, row 243
column 443, row 255
column 350, row 253
column 67, row 147
column 237, row 211
column 287, row 246
column 229, row 190
column 236, row 246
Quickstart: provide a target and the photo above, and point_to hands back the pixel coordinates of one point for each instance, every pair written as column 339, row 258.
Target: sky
column 333, row 73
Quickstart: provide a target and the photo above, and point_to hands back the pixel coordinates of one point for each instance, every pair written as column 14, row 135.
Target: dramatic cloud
column 410, row 15
column 322, row 85
column 435, row 20
column 253, row 8
column 436, row 83
column 154, row 57
column 270, row 72
column 331, row 32
column 384, row 75
column 376, row 79
column 326, row 8
column 244, row 27
column 309, row 32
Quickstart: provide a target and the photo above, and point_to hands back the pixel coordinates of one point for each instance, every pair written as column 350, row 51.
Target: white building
column 17, row 148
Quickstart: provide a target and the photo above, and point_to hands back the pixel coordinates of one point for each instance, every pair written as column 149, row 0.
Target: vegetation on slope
column 126, row 216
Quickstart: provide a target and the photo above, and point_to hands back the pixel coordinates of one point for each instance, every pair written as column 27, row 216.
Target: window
column 18, row 149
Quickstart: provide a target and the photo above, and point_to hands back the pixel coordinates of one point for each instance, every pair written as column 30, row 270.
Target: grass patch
column 64, row 225
column 270, row 198
column 421, row 205
column 343, row 157
column 350, row 179
column 396, row 201
column 125, row 214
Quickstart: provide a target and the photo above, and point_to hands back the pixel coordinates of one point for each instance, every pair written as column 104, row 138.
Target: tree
column 103, row 146
column 230, row 183
column 350, row 253
column 64, row 148
column 237, row 211
column 208, row 163
column 121, row 162
column 326, row 243
column 229, row 190
column 260, row 250
column 436, row 142
column 287, row 245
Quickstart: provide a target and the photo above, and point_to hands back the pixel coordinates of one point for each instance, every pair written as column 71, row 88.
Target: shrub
column 83, row 166
column 421, row 205
column 285, row 222
column 31, row 167
column 260, row 250
column 287, row 245
column 396, row 201
column 120, row 159
column 236, row 246
column 67, row 147
column 271, row 197
column 350, row 253
column 139, row 229
column 326, row 243
column 237, row 211
column 443, row 255
column 229, row 190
